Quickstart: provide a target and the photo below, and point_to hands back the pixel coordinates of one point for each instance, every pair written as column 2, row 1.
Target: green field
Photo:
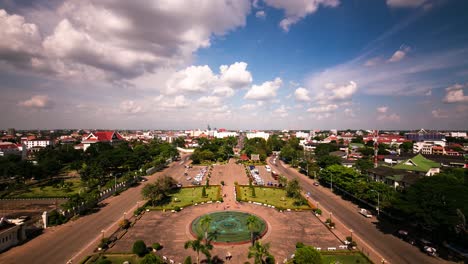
column 268, row 195
column 51, row 190
column 344, row 258
column 188, row 196
column 116, row 258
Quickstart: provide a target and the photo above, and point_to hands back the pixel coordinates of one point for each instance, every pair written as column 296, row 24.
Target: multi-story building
column 38, row 143
column 259, row 134
column 423, row 135
column 8, row 148
column 10, row 234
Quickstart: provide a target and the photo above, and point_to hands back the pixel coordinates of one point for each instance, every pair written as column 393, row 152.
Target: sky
column 234, row 64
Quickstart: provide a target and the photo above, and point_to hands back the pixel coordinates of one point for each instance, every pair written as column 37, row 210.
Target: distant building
column 37, row 143
column 10, row 234
column 300, row 134
column 8, row 148
column 224, row 134
column 259, row 134
column 110, row 137
column 419, row 165
column 423, row 135
column 11, row 132
column 458, row 134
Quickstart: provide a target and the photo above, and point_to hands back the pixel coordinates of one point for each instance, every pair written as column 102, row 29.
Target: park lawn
column 187, row 196
column 119, row 258
column 48, row 191
column 268, row 195
column 344, row 258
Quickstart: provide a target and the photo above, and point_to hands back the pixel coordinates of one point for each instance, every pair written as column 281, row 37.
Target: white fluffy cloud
column 20, row 41
column 389, row 117
column 179, row 101
column 236, row 75
column 37, row 102
column 260, row 14
column 439, row 113
column 201, row 79
column 302, row 94
column 210, row 101
column 90, row 34
column 382, row 109
column 130, row 107
column 399, row 54
column 265, row 91
column 405, row 3
column 323, row 108
column 191, row 79
column 296, row 10
column 282, row 111
column 455, row 94
column 333, row 92
column 349, row 112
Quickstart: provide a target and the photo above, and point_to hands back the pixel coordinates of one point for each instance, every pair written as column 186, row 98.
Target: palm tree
column 197, row 246
column 205, row 223
column 252, row 225
column 259, row 252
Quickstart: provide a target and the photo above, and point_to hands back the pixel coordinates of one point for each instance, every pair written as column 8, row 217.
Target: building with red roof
column 101, row 136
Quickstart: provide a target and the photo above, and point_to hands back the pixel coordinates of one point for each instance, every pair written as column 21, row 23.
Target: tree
column 357, row 139
column 325, row 149
column 139, row 248
column 205, row 223
column 307, row 255
column 159, row 190
column 253, row 225
column 293, row 189
column 406, row 147
column 282, row 180
column 327, row 160
column 259, row 252
column 364, row 164
column 197, row 246
column 151, row 259
column 203, row 194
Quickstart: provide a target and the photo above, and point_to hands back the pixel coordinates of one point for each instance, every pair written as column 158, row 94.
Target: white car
column 365, row 213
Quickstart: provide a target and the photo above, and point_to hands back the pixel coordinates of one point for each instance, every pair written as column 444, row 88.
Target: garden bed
column 269, row 195
column 187, row 196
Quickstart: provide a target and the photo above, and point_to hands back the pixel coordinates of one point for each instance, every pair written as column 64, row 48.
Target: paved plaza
column 172, row 230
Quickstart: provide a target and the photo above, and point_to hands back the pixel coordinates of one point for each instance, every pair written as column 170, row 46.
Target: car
column 179, row 185
column 316, row 184
column 188, row 178
column 365, row 213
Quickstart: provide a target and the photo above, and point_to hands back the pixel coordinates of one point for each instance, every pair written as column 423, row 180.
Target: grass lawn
column 188, row 196
column 118, row 258
column 344, row 258
column 274, row 196
column 48, row 190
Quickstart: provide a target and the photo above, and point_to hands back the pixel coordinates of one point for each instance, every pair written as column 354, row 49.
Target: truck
column 365, row 213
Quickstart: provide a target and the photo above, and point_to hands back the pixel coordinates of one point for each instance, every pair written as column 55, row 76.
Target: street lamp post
column 378, row 201
column 351, row 234
column 331, row 184
column 102, row 234
column 124, row 215
column 331, row 214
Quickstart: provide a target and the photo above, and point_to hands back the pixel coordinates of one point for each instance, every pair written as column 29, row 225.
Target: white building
column 10, row 234
column 300, row 134
column 38, row 143
column 259, row 134
column 224, row 134
column 458, row 134
column 425, row 147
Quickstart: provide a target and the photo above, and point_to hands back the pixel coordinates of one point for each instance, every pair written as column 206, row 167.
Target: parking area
column 191, row 175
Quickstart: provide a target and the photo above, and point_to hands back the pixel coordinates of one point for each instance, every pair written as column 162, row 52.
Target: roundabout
column 229, row 226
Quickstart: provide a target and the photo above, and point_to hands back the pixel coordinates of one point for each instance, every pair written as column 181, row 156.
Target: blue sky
column 267, row 64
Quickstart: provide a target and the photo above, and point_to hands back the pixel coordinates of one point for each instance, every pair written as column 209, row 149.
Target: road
column 391, row 248
column 77, row 239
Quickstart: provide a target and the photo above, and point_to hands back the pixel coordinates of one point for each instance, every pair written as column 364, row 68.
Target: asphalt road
column 77, row 239
column 391, row 248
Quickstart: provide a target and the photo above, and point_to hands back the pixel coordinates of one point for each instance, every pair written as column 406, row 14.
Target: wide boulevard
column 391, row 248
column 76, row 239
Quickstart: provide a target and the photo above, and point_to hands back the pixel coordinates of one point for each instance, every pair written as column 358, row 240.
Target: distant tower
column 208, row 127
column 11, row 131
column 376, row 147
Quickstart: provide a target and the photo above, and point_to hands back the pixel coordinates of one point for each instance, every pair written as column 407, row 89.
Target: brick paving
column 285, row 229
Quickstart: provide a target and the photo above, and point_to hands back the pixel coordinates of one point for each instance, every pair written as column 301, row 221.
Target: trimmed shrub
column 139, row 248
column 157, row 246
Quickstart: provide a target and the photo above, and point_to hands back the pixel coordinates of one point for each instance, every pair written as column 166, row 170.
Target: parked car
column 316, row 184
column 403, row 234
column 365, row 213
column 427, row 247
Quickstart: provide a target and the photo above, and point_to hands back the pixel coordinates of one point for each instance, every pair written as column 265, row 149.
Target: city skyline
column 299, row 65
